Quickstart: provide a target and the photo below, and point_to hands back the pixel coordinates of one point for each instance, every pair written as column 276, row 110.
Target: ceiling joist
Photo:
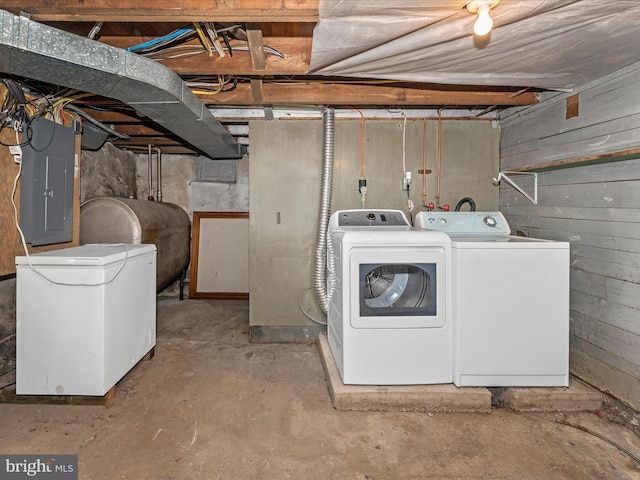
column 241, row 11
column 364, row 94
column 261, row 59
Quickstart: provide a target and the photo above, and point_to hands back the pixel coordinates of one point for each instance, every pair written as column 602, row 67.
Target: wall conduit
column 158, row 174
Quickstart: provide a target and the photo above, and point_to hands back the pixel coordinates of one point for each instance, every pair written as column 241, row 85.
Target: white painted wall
column 595, row 207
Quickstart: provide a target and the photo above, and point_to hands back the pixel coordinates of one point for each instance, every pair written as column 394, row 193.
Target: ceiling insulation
column 548, row 44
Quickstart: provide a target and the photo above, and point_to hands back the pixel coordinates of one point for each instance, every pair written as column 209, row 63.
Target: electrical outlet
column 16, row 151
column 406, row 181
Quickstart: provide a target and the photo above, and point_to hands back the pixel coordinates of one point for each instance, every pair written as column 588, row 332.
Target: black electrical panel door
column 46, row 186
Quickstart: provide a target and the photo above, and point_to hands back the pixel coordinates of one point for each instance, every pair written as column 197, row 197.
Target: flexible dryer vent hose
column 320, row 272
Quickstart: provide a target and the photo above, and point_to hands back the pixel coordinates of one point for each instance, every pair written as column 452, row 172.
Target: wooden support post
column 256, row 91
column 256, row 47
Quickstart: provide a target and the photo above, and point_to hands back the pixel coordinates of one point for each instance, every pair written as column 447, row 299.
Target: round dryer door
column 397, row 289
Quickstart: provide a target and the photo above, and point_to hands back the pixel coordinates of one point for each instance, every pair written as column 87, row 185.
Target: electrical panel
column 46, row 185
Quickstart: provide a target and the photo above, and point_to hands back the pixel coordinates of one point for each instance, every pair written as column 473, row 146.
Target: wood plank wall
column 595, row 207
column 8, row 233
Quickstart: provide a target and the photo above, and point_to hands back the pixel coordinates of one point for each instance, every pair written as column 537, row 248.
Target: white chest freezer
column 85, row 316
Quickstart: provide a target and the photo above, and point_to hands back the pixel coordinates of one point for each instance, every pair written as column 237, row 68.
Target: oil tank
column 127, row 220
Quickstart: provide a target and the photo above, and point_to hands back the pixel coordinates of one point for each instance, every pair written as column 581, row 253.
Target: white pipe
column 158, row 174
column 149, row 171
column 504, row 176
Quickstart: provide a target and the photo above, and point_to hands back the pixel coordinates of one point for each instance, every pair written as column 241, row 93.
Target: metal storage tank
column 127, row 220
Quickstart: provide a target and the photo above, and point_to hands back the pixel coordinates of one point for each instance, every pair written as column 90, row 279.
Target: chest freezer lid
column 87, row 255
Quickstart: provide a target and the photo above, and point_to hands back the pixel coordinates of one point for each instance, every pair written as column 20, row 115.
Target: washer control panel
column 366, row 218
column 460, row 223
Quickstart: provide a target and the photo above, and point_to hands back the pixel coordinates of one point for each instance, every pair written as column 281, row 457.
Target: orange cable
column 439, row 157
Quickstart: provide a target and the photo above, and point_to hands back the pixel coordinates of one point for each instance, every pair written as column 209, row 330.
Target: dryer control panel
column 460, row 223
column 368, row 218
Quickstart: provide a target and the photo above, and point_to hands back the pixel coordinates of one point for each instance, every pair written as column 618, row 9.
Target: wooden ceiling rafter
column 256, row 76
column 327, row 93
column 241, row 11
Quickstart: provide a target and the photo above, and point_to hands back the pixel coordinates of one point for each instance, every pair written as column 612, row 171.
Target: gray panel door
column 46, row 187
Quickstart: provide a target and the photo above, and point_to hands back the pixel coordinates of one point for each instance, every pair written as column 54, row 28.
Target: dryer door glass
column 397, row 289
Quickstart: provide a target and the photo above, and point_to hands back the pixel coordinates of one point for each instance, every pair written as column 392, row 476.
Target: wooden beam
column 580, row 161
column 239, row 11
column 359, row 94
column 296, row 51
column 256, row 47
column 257, row 92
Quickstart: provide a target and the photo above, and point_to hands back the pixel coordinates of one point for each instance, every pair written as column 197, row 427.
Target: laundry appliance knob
column 490, row 221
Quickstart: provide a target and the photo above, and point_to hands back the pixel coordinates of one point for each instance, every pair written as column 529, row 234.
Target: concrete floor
column 211, row 405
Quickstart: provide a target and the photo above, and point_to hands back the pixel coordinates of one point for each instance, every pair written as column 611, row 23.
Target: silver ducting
column 319, row 273
column 36, row 51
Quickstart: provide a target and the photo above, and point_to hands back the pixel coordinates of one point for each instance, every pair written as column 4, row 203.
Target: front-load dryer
column 388, row 321
column 510, row 302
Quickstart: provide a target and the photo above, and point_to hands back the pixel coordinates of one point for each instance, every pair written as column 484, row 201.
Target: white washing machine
column 388, row 321
column 510, row 302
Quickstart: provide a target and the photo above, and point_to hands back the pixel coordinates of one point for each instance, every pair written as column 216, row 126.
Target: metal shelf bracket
column 505, row 176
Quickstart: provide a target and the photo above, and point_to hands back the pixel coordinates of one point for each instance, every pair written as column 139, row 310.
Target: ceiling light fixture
column 482, row 8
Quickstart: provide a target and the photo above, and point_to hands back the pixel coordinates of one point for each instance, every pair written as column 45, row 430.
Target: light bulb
column 484, row 23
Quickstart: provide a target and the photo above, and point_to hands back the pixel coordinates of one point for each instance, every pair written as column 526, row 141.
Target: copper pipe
column 424, row 164
column 439, row 158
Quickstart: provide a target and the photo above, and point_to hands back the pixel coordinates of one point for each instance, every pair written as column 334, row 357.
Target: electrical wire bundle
column 14, row 112
column 203, row 86
column 167, row 47
column 22, row 104
column 162, row 42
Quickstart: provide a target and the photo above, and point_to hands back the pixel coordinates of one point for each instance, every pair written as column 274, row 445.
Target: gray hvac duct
column 33, row 50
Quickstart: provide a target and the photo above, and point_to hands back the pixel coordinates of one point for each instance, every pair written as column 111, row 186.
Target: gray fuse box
column 46, row 185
